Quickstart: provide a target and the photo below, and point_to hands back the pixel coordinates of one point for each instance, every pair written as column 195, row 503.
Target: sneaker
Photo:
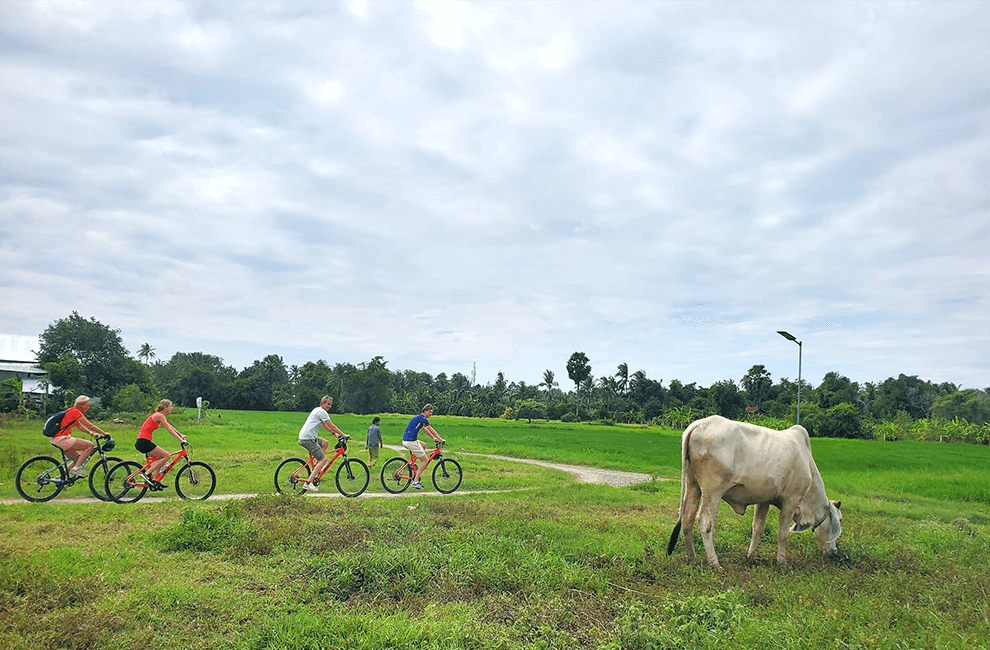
column 417, row 485
column 147, row 479
column 309, row 487
column 77, row 471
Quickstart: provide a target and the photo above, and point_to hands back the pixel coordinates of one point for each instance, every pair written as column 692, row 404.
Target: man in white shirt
column 310, row 439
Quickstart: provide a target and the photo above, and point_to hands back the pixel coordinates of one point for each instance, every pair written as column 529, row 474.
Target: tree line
column 86, row 356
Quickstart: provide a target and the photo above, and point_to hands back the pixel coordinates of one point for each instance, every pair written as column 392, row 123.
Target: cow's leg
column 759, row 525
column 783, row 531
column 692, row 499
column 709, row 511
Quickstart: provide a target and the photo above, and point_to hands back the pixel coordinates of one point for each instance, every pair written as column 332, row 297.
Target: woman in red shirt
column 150, row 449
column 76, row 417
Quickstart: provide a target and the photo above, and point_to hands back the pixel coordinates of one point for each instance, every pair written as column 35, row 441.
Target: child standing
column 374, row 441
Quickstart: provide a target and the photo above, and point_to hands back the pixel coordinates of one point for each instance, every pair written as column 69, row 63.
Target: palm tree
column 623, row 377
column 146, row 352
column 550, row 384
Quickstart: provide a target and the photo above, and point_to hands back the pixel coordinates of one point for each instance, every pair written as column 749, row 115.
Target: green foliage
column 131, row 399
column 729, row 402
column 970, row 405
column 10, row 394
column 204, row 530
column 758, row 385
column 82, row 356
column 529, row 409
column 841, row 421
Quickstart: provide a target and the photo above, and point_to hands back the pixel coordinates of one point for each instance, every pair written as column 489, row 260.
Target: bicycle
column 398, row 473
column 42, row 478
column 196, row 480
column 352, row 475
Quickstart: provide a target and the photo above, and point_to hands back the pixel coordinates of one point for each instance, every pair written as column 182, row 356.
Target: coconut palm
column 146, row 353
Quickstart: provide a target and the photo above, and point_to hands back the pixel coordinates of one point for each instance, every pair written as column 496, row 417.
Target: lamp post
column 791, row 337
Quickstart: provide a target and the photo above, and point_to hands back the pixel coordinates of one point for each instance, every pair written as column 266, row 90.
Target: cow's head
column 827, row 530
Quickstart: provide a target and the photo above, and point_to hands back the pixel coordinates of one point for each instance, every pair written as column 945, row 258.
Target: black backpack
column 53, row 426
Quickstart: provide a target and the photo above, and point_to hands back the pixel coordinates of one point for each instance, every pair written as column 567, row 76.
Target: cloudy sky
column 662, row 184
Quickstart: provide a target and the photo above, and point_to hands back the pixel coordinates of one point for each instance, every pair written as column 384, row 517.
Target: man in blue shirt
column 410, row 440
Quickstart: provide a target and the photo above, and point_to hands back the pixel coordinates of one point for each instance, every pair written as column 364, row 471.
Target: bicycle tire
column 98, row 477
column 397, row 475
column 287, row 479
column 195, row 481
column 352, row 487
column 35, row 481
column 447, row 475
column 116, row 484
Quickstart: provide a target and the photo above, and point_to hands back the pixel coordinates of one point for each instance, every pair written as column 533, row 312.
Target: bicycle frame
column 66, row 461
column 173, row 459
column 341, row 451
column 412, row 461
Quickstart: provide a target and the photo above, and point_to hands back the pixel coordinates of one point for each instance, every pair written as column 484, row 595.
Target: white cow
column 744, row 464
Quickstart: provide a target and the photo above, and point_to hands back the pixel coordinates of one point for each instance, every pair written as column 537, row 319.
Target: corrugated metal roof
column 25, row 368
column 14, row 347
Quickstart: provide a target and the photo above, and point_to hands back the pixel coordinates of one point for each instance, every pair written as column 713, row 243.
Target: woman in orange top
column 76, row 417
column 150, row 449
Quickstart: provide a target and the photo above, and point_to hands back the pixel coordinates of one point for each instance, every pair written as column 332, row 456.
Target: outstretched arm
column 332, row 428
column 433, row 433
column 90, row 428
column 178, row 436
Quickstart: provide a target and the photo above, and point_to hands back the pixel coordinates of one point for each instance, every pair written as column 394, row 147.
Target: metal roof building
column 18, row 358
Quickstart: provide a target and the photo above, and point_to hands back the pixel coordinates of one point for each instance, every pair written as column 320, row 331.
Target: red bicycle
column 352, row 476
column 195, row 480
column 398, row 473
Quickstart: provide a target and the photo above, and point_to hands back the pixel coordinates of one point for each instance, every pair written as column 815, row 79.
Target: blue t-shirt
column 412, row 429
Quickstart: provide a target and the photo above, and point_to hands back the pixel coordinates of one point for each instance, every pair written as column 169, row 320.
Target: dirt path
column 612, row 477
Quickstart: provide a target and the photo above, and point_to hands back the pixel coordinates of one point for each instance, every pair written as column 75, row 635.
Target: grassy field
column 555, row 565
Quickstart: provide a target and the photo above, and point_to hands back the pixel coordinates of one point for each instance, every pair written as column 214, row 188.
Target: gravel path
column 583, row 474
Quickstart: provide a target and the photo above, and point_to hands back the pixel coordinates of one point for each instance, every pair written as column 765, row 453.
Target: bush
column 841, row 421
column 131, row 399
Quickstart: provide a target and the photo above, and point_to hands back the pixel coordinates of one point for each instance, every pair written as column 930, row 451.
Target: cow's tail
column 685, row 468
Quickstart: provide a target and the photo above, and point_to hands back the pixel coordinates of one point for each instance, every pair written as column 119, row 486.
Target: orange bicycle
column 398, row 473
column 352, row 475
column 195, row 480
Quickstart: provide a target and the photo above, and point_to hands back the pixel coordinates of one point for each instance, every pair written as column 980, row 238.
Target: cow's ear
column 799, row 528
column 837, row 504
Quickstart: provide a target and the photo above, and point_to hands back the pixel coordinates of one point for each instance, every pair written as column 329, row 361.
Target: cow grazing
column 744, row 464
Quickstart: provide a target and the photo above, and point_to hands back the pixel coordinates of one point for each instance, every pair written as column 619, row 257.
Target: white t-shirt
column 311, row 429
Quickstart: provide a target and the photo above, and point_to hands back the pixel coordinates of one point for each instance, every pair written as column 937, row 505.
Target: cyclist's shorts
column 415, row 447
column 144, row 445
column 63, row 442
column 315, row 447
column 373, row 451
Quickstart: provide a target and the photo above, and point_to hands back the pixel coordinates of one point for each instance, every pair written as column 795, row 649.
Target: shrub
column 841, row 421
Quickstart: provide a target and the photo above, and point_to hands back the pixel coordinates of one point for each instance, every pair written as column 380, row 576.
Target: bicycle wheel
column 40, row 479
column 397, row 475
column 98, row 477
column 119, row 488
column 196, row 481
column 447, row 475
column 290, row 475
column 352, row 477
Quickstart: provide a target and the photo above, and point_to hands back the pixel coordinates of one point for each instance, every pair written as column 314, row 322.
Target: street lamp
column 791, row 337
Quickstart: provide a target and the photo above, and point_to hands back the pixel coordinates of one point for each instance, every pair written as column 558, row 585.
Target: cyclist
column 76, row 417
column 314, row 444
column 410, row 440
column 150, row 449
column 374, row 441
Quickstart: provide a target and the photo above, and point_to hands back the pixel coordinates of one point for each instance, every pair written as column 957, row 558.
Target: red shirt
column 69, row 420
column 149, row 427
